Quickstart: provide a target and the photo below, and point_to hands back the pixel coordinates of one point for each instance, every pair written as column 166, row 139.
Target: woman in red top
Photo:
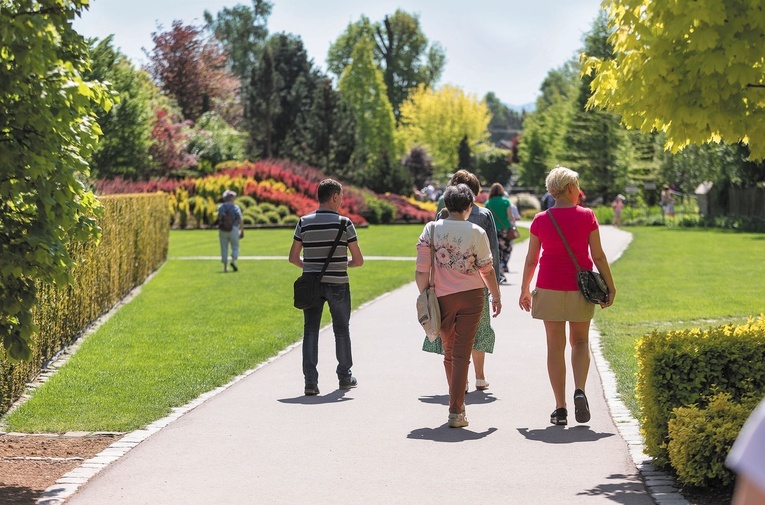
column 556, row 298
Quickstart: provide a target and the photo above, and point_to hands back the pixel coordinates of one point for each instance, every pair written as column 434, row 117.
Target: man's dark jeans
column 338, row 296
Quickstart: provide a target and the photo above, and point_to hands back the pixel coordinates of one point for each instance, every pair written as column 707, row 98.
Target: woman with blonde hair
column 556, row 298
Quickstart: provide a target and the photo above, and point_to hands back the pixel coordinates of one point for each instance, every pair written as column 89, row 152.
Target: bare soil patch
column 29, row 464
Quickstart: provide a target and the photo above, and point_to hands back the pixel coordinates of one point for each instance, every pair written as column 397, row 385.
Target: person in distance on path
column 230, row 228
column 556, row 299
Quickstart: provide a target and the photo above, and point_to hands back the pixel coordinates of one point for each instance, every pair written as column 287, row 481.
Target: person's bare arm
column 490, row 280
column 529, row 266
column 423, row 280
column 357, row 259
column 295, row 258
column 601, row 262
column 747, row 492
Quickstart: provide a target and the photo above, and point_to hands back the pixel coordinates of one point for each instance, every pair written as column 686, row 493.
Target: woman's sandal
column 559, row 417
column 481, row 384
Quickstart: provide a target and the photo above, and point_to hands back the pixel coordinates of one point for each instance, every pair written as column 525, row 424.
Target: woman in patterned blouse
column 463, row 265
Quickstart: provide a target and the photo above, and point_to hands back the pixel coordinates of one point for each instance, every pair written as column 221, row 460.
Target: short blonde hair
column 558, row 178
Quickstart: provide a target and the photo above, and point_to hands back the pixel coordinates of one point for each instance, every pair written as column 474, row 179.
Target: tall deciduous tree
column 400, row 49
column 242, row 30
column 170, row 144
column 192, row 69
column 723, row 164
column 438, row 120
column 124, row 148
column 363, row 89
column 48, row 130
column 691, row 69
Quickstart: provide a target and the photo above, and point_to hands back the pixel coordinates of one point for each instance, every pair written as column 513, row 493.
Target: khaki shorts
column 552, row 305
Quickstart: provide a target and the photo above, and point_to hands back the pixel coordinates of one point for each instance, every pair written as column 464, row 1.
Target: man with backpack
column 230, row 228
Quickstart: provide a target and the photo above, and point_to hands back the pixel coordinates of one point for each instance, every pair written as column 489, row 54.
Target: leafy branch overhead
column 693, row 69
column 48, row 130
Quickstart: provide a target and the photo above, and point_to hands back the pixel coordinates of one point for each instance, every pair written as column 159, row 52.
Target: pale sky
column 504, row 46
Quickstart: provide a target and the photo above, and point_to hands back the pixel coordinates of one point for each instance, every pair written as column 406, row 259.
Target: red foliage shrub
column 405, row 211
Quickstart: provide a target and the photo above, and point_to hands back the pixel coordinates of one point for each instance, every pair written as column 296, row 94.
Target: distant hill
column 528, row 107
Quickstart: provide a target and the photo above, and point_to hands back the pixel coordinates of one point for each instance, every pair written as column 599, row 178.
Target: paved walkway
column 261, row 441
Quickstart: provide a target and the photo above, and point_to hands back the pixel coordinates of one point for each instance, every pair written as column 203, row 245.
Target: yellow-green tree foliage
column 438, row 120
column 134, row 241
column 694, row 69
column 362, row 86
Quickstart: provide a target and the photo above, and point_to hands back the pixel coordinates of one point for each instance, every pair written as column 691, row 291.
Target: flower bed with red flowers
column 279, row 182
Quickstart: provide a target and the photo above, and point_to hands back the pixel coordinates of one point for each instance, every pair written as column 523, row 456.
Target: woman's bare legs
column 556, row 360
column 479, row 357
column 580, row 352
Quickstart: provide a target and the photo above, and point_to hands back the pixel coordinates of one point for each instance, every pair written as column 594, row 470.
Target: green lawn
column 193, row 328
column 374, row 240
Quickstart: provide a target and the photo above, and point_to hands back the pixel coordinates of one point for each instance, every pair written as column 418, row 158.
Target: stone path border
column 663, row 488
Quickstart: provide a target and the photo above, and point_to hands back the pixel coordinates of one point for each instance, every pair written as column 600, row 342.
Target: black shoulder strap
column 332, row 251
column 565, row 242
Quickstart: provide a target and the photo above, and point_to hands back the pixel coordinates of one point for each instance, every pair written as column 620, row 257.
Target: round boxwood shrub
column 248, row 220
column 526, row 201
column 245, row 202
column 291, row 219
column 267, row 207
column 273, row 217
column 260, row 219
column 701, row 438
column 252, row 211
column 283, row 210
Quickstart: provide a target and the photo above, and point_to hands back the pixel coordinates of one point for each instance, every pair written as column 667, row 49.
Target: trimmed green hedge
column 687, row 367
column 134, row 242
column 701, row 438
